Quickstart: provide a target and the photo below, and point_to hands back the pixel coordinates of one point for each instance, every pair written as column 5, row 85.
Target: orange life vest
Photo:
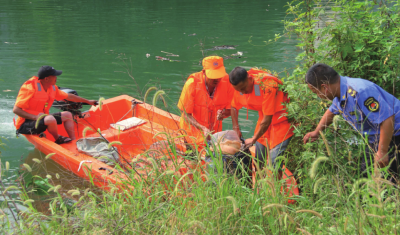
column 205, row 108
column 280, row 129
column 41, row 100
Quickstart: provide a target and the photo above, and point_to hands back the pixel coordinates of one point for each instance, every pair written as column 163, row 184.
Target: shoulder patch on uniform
column 352, row 92
column 372, row 104
column 257, row 90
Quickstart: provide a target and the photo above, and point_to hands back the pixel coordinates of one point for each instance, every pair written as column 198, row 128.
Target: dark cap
column 46, row 71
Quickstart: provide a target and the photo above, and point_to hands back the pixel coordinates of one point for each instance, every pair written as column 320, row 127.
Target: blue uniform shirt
column 365, row 106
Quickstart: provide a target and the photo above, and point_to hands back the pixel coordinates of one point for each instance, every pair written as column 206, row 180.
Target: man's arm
column 75, row 98
column 264, row 125
column 386, row 133
column 235, row 121
column 21, row 113
column 325, row 121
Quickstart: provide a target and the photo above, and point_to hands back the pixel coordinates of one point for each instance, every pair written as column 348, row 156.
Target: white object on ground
column 80, row 164
column 127, row 123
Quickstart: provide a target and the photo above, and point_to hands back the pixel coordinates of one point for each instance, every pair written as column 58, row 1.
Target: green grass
column 334, row 201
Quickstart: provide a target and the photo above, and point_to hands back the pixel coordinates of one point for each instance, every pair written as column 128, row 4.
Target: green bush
column 358, row 39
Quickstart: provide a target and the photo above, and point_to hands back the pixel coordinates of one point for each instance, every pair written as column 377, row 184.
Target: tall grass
column 212, row 201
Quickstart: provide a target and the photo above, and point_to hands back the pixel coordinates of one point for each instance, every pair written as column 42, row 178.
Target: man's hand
column 93, row 102
column 248, row 142
column 220, row 114
column 311, row 137
column 382, row 159
column 223, row 113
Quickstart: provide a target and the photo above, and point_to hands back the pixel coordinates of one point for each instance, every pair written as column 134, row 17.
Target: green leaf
column 359, row 47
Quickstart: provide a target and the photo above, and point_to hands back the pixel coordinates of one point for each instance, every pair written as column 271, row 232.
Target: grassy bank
column 333, row 200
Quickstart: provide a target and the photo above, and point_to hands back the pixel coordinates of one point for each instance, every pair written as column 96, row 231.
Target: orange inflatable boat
column 159, row 125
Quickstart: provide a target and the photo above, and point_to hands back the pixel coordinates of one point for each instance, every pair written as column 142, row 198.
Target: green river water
column 94, row 42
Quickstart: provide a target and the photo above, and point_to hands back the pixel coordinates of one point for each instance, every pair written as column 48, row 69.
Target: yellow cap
column 214, row 67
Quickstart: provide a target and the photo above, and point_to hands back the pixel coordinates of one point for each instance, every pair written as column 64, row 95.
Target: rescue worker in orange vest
column 35, row 98
column 205, row 101
column 258, row 90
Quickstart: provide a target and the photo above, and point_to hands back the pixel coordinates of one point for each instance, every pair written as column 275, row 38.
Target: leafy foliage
column 357, row 38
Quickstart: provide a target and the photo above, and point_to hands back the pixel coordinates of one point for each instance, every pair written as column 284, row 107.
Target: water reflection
column 88, row 39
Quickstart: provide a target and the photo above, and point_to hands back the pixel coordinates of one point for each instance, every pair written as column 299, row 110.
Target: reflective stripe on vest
column 257, row 90
column 39, row 86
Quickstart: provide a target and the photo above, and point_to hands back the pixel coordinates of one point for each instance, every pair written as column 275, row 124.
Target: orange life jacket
column 262, row 80
column 263, row 75
column 41, row 100
column 205, row 108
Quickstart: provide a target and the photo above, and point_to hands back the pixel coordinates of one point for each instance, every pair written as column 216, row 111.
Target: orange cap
column 214, row 67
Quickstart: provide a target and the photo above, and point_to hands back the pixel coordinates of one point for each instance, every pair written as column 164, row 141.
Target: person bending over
column 205, row 101
column 257, row 90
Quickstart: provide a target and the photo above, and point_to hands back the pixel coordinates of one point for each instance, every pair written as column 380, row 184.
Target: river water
column 98, row 44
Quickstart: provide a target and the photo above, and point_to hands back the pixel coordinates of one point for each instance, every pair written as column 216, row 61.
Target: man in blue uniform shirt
column 368, row 108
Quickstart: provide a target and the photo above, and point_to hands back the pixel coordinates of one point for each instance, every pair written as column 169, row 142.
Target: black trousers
column 368, row 159
column 28, row 127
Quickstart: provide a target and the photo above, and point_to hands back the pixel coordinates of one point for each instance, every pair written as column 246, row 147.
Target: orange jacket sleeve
column 60, row 95
column 231, row 92
column 186, row 101
column 236, row 101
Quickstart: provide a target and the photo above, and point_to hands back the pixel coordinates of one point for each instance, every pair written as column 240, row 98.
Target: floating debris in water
column 161, row 58
column 147, row 55
column 223, row 47
column 193, row 34
column 239, row 53
column 164, row 58
column 169, row 54
column 7, row 90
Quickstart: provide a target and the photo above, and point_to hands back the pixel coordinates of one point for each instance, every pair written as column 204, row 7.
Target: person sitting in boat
column 258, row 90
column 369, row 109
column 205, row 101
column 35, row 98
